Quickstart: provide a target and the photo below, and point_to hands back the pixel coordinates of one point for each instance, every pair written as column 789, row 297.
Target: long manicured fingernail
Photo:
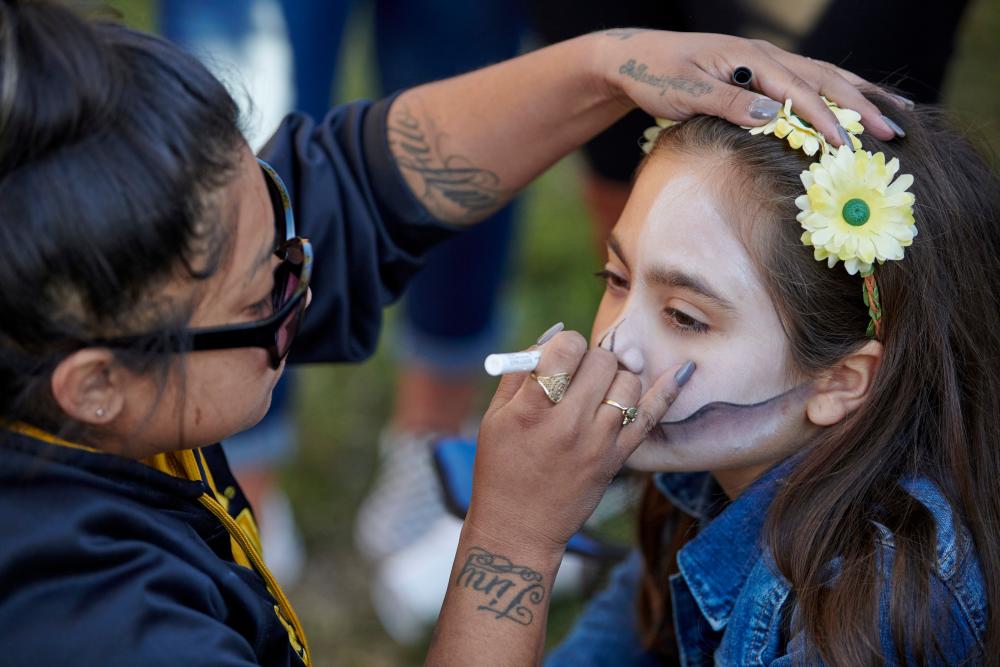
column 684, row 374
column 893, row 126
column 764, row 108
column 550, row 332
column 845, row 137
column 906, row 101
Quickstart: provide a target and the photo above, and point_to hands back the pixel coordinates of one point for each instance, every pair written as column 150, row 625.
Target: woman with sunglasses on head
column 154, row 274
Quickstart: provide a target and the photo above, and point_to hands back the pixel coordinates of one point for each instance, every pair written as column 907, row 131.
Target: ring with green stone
column 628, row 414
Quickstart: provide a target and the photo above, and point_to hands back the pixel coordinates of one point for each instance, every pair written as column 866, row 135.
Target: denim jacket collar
column 691, row 493
column 731, row 537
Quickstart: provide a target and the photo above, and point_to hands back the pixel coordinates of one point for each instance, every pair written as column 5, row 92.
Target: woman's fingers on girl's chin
column 591, row 382
column 625, row 389
column 652, row 406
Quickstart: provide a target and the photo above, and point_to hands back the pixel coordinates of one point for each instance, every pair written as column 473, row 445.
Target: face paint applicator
column 512, row 362
column 520, row 362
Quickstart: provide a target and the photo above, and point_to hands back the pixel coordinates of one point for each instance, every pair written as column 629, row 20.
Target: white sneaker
column 405, row 500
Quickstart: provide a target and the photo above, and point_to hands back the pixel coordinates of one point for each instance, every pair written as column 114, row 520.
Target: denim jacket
column 731, row 607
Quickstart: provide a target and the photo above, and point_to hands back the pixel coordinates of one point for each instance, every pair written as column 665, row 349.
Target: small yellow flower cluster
column 651, row 133
column 800, row 134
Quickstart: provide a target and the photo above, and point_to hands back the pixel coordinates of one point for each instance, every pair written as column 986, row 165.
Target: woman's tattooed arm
column 448, row 183
column 508, row 591
column 496, row 604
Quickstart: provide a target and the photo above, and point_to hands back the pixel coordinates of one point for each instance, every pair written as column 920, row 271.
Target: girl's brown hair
column 933, row 410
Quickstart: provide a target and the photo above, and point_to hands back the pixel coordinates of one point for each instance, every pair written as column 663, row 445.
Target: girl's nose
column 621, row 340
column 632, row 360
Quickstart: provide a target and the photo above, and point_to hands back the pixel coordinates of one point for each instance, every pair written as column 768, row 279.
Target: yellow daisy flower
column 853, row 211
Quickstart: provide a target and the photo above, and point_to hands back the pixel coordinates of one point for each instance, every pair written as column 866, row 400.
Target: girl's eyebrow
column 660, row 276
column 664, row 277
column 615, row 246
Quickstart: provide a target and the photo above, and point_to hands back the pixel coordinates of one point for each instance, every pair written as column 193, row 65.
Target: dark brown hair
column 112, row 145
column 933, row 409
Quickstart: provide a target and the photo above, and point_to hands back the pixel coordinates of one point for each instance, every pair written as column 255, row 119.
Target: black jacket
column 112, row 562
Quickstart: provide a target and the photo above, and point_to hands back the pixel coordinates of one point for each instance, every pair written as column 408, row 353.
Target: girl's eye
column 612, row 280
column 684, row 322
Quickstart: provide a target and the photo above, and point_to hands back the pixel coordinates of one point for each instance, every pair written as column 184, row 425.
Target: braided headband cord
column 874, row 303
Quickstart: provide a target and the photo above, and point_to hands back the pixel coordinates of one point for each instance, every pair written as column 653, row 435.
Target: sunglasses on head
column 288, row 297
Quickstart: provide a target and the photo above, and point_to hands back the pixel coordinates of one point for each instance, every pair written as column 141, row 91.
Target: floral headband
column 852, row 210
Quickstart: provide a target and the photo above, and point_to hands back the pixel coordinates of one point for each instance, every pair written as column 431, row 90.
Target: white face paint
column 681, row 286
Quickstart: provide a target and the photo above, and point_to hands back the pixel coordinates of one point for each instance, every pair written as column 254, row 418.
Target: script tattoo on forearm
column 640, row 72
column 624, row 33
column 509, row 591
column 452, row 185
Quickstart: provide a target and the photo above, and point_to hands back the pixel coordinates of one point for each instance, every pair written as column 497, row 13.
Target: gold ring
column 554, row 386
column 628, row 414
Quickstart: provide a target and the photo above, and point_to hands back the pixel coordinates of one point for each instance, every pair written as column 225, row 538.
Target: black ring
column 742, row 76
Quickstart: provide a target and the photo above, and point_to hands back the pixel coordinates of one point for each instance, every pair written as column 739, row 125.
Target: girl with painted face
column 154, row 275
column 824, row 488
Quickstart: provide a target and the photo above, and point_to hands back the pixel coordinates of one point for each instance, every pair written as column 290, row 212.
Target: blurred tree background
column 341, row 409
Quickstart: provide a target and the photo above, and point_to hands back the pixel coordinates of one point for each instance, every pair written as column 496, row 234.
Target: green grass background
column 342, row 409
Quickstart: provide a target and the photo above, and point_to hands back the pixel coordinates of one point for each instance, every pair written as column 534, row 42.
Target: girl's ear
column 88, row 386
column 843, row 388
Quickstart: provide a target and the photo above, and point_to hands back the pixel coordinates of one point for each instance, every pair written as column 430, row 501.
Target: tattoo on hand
column 639, row 72
column 449, row 181
column 624, row 33
column 511, row 590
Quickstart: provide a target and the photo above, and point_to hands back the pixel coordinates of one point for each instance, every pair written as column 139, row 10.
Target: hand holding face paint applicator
column 541, row 467
column 569, row 449
column 501, row 363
